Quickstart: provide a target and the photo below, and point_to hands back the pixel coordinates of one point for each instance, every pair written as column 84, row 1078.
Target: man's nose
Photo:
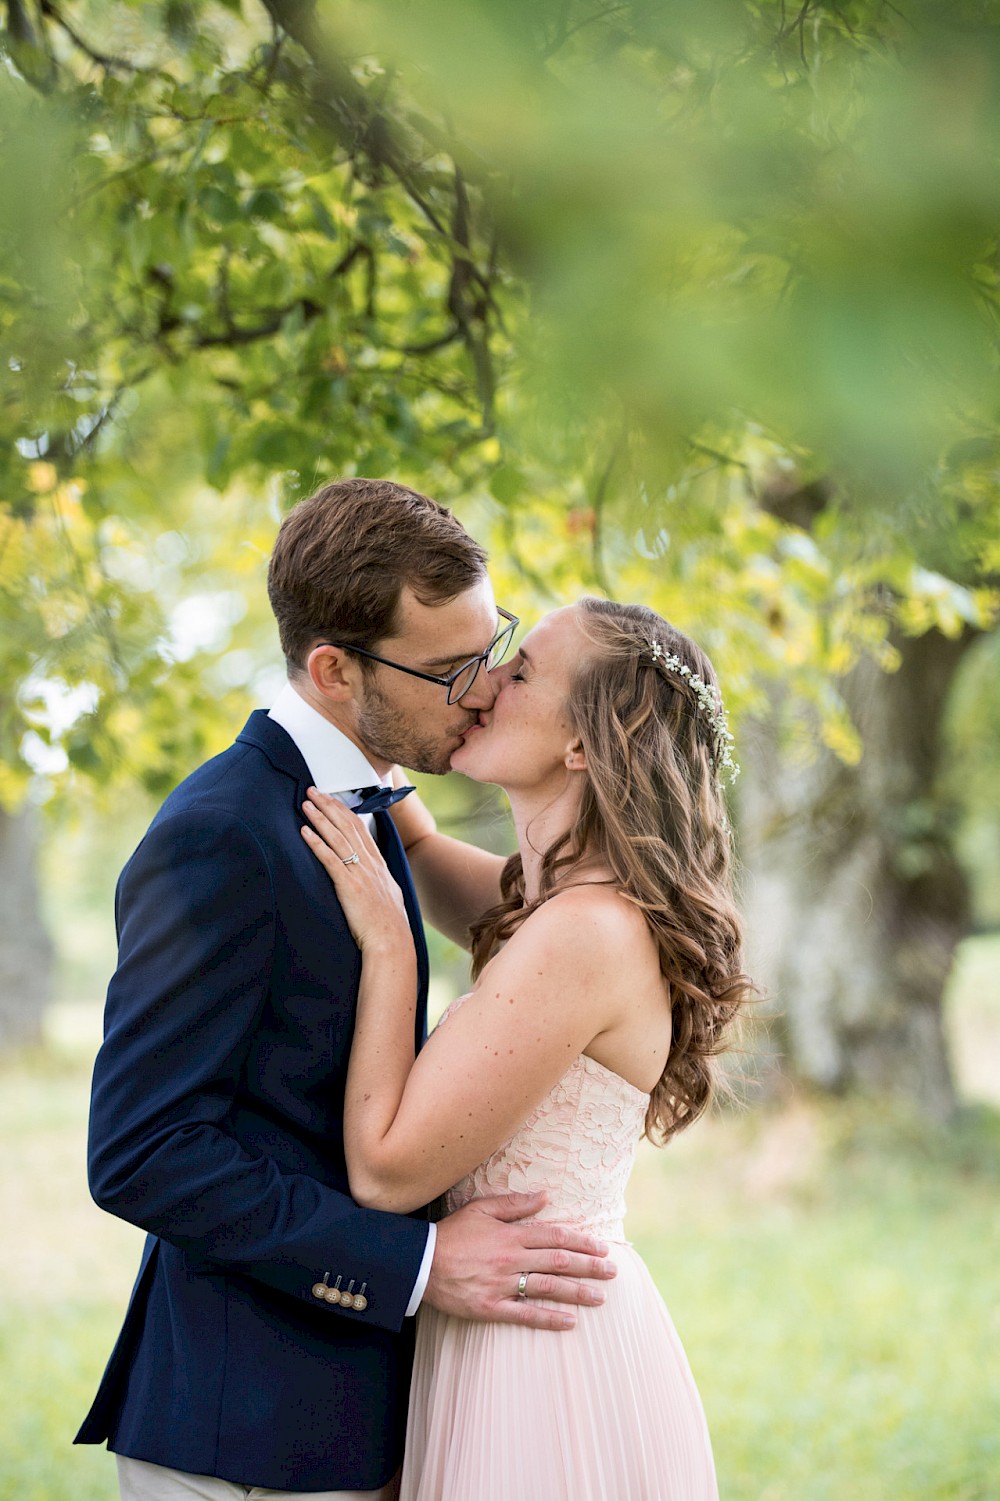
column 483, row 693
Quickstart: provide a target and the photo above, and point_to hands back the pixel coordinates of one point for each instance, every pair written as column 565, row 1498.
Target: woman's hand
column 371, row 899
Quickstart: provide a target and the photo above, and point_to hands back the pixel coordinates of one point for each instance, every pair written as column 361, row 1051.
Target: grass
column 65, row 1271
column 831, row 1268
column 832, row 1272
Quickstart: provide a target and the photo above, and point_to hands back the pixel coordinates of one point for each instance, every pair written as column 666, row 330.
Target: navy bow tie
column 374, row 799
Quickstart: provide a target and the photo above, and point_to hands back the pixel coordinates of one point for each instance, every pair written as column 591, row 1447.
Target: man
column 267, row 1343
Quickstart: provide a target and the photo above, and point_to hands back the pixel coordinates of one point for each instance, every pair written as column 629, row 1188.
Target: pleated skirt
column 608, row 1411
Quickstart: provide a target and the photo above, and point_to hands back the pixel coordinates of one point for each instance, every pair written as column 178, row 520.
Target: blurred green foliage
column 622, row 284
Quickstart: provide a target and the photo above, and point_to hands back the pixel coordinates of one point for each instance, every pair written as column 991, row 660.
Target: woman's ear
column 575, row 757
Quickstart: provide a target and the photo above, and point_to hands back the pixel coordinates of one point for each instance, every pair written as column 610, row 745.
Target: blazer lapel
column 391, row 846
column 267, row 736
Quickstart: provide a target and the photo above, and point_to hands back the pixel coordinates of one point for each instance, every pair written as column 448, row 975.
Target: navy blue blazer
column 217, row 1125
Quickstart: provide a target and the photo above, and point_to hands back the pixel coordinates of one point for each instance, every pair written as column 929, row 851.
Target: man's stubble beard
column 386, row 733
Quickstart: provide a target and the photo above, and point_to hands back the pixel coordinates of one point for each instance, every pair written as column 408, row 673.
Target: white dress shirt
column 337, row 766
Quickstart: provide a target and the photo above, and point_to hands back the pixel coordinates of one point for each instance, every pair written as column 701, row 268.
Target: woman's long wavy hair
column 653, row 813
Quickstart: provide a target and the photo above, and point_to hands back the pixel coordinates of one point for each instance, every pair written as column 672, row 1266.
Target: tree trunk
column 855, row 901
column 25, row 946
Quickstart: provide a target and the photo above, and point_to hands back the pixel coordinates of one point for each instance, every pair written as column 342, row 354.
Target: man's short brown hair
column 342, row 557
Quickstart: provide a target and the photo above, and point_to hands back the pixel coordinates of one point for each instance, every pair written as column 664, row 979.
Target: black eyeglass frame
column 512, row 623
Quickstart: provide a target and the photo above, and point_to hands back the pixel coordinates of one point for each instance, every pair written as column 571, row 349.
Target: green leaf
column 223, row 207
column 265, row 204
column 507, row 484
column 277, row 448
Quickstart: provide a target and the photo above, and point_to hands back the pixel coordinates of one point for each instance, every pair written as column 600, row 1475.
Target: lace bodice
column 578, row 1144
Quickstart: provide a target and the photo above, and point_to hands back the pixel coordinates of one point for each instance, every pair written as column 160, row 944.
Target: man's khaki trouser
column 139, row 1481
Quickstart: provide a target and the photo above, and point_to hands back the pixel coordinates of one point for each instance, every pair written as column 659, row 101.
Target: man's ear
column 333, row 672
column 575, row 756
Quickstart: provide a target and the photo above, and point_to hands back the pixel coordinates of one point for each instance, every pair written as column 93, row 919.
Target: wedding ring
column 522, row 1285
column 353, row 859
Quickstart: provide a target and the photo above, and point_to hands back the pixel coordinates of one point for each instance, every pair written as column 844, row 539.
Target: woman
column 606, row 976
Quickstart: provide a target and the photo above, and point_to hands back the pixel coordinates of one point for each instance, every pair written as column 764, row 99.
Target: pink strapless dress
column 605, row 1412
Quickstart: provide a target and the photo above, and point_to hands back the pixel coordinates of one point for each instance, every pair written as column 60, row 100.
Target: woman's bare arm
column 413, row 1126
column 456, row 882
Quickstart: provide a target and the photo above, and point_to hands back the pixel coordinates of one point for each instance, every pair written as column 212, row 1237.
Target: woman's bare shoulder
column 600, row 902
column 587, row 925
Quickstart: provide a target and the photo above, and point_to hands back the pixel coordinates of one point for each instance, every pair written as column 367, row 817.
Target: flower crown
column 709, row 704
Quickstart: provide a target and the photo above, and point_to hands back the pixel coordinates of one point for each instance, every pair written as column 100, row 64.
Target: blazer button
column 359, row 1302
column 319, row 1290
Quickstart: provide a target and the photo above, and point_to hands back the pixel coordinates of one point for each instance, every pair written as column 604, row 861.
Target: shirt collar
column 335, row 763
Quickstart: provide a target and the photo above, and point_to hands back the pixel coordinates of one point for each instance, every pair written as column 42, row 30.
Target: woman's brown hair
column 653, row 813
column 343, row 556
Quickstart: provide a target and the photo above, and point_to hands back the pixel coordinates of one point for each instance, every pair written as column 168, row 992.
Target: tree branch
column 725, row 460
column 103, row 60
column 470, row 315
column 432, row 345
column 362, row 125
column 233, row 336
column 28, row 50
column 597, row 502
column 565, row 31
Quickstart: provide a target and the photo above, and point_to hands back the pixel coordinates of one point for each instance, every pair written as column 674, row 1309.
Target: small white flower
column 709, row 703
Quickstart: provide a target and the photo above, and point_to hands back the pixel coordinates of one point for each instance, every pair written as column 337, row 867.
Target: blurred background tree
column 694, row 303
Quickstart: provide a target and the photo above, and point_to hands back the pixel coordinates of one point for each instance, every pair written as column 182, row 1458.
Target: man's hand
column 483, row 1249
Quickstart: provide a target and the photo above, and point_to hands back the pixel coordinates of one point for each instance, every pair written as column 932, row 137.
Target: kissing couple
column 267, row 1104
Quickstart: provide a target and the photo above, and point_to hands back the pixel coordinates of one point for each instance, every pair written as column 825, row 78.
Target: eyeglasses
column 461, row 680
